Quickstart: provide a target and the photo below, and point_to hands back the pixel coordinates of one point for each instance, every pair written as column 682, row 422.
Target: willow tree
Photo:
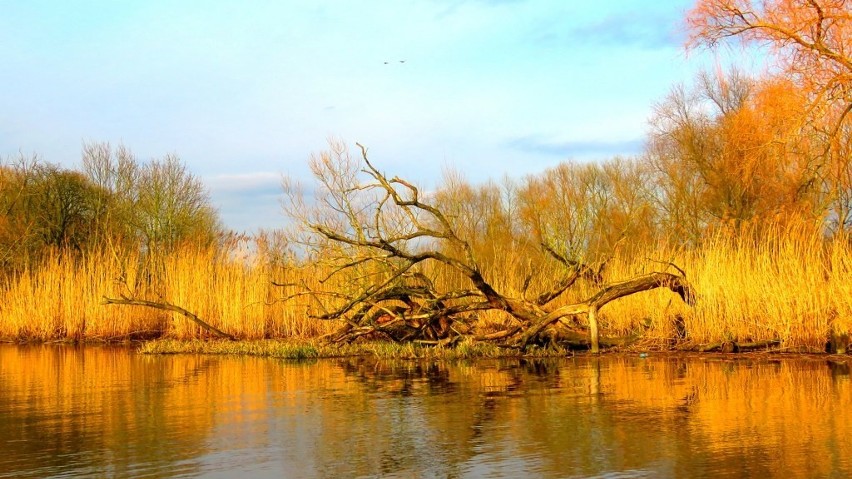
column 382, row 245
column 733, row 151
column 811, row 43
column 811, row 39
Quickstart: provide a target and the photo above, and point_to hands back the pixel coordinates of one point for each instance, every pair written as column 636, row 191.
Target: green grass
column 309, row 349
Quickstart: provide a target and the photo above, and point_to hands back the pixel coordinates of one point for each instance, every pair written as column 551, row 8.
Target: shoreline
column 466, row 350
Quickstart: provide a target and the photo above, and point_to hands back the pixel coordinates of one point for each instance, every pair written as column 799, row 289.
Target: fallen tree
column 383, row 244
column 173, row 308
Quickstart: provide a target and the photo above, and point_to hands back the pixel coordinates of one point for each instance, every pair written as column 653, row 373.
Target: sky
column 244, row 92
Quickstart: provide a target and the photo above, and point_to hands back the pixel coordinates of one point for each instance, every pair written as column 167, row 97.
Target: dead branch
column 606, row 295
column 169, row 307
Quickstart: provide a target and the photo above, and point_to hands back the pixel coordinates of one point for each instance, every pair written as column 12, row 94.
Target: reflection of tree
column 391, row 423
column 679, row 417
column 110, row 412
column 467, row 414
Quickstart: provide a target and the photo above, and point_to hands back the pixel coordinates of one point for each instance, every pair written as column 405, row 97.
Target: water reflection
column 68, row 411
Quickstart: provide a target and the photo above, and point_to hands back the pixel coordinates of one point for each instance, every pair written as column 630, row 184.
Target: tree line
column 115, row 201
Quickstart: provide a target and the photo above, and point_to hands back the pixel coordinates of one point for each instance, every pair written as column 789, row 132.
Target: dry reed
column 791, row 285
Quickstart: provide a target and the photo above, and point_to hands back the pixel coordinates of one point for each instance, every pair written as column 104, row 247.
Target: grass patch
column 307, row 349
column 270, row 348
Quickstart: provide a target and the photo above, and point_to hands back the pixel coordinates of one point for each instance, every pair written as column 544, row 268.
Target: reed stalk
column 792, row 285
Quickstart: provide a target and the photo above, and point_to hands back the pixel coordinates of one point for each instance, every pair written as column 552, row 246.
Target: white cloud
column 257, row 182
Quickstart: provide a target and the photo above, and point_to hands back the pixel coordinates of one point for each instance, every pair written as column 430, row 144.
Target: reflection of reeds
column 68, row 400
column 584, row 415
column 789, row 285
column 789, row 410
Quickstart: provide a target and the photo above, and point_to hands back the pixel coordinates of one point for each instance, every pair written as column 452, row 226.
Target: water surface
column 109, row 412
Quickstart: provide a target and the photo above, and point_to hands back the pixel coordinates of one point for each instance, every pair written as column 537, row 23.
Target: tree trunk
column 173, row 308
column 594, row 335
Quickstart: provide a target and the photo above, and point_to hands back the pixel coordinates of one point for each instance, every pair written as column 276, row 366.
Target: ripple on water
column 83, row 412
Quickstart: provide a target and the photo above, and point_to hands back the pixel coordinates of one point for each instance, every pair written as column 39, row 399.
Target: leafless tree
column 383, row 244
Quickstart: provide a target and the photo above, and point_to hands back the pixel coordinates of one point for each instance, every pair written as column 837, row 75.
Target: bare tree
column 172, row 205
column 383, row 244
column 158, row 203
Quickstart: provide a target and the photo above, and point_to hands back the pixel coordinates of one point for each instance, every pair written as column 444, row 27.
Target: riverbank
column 289, row 349
column 299, row 349
column 465, row 348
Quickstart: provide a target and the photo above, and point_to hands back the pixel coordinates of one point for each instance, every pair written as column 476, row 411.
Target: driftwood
column 375, row 236
column 170, row 307
column 734, row 347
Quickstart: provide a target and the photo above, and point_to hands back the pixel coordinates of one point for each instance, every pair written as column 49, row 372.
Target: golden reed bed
column 789, row 286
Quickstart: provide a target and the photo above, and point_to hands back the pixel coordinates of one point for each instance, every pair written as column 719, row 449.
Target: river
column 70, row 411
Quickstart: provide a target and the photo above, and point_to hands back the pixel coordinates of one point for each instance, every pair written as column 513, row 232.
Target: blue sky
column 244, row 92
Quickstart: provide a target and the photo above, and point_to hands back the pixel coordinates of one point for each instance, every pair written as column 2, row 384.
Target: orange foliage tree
column 811, row 41
column 733, row 151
